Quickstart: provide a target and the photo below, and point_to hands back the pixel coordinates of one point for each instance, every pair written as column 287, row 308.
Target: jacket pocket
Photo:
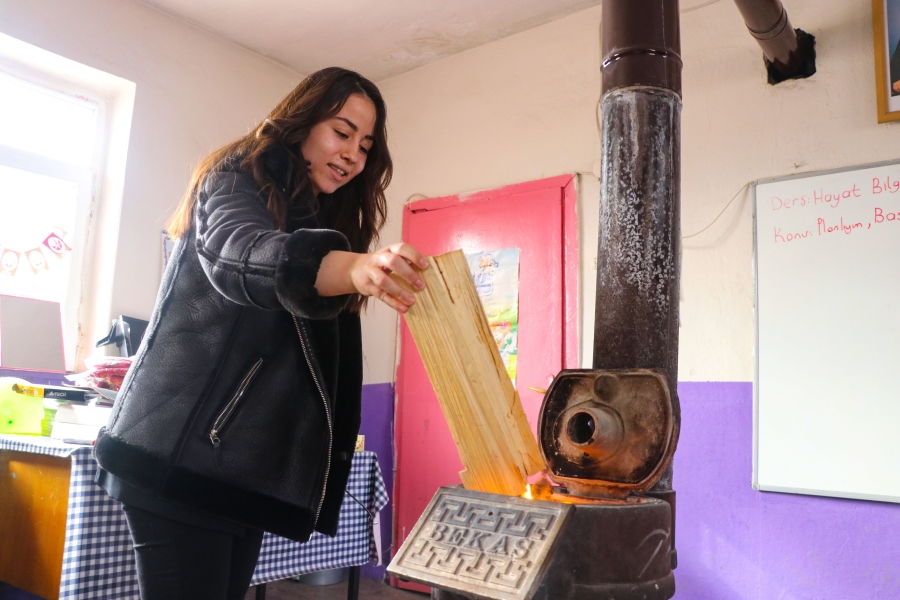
column 225, row 415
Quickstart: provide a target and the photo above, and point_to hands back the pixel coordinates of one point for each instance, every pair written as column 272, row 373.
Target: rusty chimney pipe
column 639, row 247
column 790, row 53
column 638, row 258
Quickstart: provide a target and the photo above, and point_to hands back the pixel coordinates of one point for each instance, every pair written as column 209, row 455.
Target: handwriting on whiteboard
column 834, row 198
column 856, row 201
column 825, row 226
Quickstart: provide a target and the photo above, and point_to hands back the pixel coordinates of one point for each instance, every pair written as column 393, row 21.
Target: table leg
column 353, row 584
column 261, row 592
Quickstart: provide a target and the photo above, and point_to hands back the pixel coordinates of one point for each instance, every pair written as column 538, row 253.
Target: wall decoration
column 37, row 261
column 9, row 262
column 496, row 276
column 37, row 257
column 886, row 33
column 55, row 243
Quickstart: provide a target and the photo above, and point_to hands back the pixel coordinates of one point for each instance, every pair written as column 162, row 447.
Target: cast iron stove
column 606, row 436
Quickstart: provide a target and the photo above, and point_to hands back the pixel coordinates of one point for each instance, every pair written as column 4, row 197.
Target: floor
column 8, row 592
column 368, row 588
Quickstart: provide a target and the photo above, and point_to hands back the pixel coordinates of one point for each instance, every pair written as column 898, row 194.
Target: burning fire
column 527, row 495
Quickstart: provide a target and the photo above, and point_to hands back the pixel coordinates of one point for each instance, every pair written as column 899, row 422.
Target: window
column 47, row 149
column 42, row 121
column 63, row 136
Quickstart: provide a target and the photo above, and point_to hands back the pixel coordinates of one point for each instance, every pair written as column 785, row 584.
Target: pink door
column 539, row 219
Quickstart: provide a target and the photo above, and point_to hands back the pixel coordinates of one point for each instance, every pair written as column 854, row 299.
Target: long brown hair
column 359, row 208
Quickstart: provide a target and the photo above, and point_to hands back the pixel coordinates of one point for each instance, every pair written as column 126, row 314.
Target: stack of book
column 73, row 415
column 79, row 423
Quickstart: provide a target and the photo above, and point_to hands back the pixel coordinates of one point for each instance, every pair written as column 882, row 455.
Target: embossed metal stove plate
column 485, row 545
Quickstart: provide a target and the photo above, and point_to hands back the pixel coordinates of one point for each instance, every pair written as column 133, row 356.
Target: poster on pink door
column 496, row 276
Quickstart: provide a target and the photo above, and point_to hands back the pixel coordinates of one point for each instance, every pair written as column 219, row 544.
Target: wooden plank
column 482, row 408
column 34, row 496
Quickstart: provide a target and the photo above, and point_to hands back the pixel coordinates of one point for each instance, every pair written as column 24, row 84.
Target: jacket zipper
column 225, row 416
column 327, row 415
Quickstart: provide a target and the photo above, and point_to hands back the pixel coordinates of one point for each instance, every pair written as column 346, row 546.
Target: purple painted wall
column 735, row 543
column 378, row 427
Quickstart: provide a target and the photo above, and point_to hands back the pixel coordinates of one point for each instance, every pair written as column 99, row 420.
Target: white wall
column 194, row 93
column 523, row 108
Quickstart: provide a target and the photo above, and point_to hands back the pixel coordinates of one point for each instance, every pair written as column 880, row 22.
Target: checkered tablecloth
column 98, row 559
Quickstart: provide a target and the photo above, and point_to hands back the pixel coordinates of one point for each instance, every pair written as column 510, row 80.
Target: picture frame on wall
column 886, row 34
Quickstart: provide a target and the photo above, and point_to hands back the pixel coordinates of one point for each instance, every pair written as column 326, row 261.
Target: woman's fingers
column 400, row 267
column 384, row 283
column 397, row 259
column 400, row 302
column 392, row 301
column 378, row 283
column 409, row 253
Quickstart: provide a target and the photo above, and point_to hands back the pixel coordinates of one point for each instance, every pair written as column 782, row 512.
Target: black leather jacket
column 243, row 400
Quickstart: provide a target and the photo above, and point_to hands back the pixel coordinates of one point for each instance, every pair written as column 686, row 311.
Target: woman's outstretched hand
column 370, row 274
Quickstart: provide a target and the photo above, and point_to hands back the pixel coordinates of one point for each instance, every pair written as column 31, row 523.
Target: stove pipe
column 790, row 53
column 639, row 253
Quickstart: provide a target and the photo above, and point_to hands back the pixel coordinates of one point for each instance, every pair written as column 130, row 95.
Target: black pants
column 178, row 561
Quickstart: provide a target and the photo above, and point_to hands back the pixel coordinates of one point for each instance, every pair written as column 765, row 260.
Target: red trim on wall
column 560, row 181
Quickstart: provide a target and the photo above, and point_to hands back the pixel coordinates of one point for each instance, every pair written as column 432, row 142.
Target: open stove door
column 608, row 433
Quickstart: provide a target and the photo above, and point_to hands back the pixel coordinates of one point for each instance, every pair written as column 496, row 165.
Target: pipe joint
column 789, row 53
column 773, row 31
column 641, row 45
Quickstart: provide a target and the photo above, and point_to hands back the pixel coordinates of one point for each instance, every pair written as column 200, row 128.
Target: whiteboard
column 827, row 386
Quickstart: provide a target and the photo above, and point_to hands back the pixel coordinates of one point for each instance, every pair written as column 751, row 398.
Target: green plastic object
column 19, row 413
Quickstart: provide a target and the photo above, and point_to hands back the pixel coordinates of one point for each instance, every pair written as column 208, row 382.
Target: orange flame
column 527, row 495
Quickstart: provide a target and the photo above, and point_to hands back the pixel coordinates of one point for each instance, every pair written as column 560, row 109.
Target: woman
column 241, row 410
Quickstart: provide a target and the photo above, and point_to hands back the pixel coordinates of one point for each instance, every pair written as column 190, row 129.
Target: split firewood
column 482, row 408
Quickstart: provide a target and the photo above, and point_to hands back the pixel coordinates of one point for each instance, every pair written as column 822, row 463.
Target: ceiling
column 379, row 39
